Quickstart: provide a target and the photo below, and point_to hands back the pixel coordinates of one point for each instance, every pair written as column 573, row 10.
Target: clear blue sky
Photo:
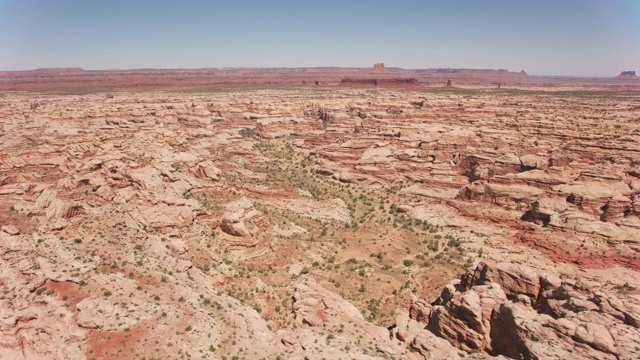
column 542, row 37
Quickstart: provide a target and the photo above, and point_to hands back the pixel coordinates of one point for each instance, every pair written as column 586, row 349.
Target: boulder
column 513, row 279
column 432, row 347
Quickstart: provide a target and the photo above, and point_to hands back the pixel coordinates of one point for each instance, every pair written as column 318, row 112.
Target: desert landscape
column 319, row 214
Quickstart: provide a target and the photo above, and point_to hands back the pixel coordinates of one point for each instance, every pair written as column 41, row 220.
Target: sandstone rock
column 169, row 215
column 464, row 332
column 599, row 199
column 547, row 211
column 513, row 327
column 501, row 194
column 236, row 220
column 464, row 320
column 206, row 170
column 406, row 328
column 317, row 308
column 88, row 315
column 513, row 279
column 506, row 164
column 432, row 347
column 420, row 311
column 480, row 317
column 530, row 162
column 596, row 336
column 11, row 230
column 314, row 305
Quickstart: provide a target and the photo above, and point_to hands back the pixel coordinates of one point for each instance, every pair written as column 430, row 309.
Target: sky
column 542, row 37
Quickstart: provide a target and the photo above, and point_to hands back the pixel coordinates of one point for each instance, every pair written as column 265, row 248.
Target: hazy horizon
column 591, row 38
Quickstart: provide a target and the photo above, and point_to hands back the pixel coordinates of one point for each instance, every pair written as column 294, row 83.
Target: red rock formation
column 518, row 312
column 380, row 68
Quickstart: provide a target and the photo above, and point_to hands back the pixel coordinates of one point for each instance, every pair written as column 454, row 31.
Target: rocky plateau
column 320, row 222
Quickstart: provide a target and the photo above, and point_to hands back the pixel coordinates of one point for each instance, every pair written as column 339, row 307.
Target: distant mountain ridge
column 76, row 78
column 378, row 68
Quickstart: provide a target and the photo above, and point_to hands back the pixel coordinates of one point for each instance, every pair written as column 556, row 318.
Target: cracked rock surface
column 310, row 223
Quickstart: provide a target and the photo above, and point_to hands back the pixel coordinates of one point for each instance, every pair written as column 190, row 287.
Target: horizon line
column 79, row 68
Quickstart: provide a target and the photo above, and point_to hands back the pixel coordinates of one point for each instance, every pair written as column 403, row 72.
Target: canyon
column 241, row 214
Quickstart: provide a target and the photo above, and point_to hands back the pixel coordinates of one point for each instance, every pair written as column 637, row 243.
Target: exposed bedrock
column 522, row 313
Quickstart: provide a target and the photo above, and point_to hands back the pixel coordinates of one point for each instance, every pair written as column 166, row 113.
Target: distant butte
column 629, row 74
column 380, row 68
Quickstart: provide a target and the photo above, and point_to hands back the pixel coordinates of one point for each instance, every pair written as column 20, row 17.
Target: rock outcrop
column 380, row 68
column 317, row 310
column 518, row 312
